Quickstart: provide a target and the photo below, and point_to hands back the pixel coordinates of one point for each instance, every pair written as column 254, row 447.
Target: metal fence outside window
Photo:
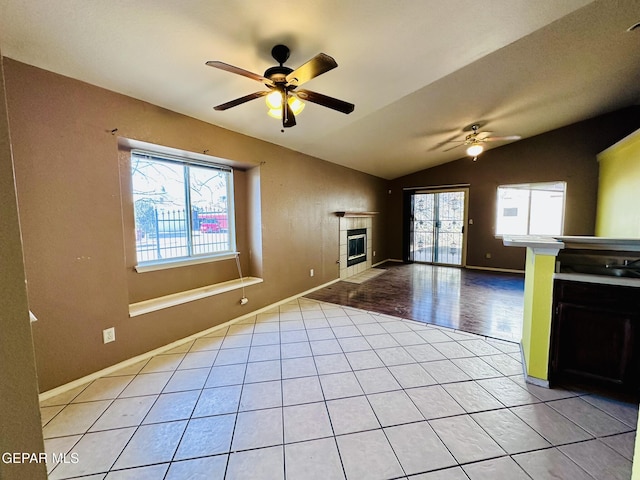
column 165, row 234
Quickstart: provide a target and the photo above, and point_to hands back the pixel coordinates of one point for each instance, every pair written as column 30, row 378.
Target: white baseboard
column 470, row 267
column 385, row 261
column 492, row 269
column 536, row 381
column 527, row 378
column 144, row 356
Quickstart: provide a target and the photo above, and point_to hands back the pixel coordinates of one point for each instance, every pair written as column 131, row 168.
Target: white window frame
column 557, row 186
column 190, row 159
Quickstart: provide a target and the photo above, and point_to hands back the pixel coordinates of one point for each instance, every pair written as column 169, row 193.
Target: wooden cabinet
column 595, row 335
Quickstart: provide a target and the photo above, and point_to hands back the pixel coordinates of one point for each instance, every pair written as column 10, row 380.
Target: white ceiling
column 418, row 71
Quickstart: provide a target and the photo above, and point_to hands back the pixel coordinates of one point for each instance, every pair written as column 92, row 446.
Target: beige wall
column 76, row 216
column 20, row 429
column 567, row 154
column 75, row 211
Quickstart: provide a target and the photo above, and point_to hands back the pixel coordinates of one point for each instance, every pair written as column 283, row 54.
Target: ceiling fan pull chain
column 285, row 110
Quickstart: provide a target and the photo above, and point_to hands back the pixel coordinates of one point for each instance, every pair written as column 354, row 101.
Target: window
column 183, row 209
column 531, row 209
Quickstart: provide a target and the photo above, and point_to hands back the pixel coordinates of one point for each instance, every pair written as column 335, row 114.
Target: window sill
column 155, row 304
column 152, row 267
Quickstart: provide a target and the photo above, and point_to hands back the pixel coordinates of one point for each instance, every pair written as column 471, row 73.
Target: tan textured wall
column 20, row 428
column 76, row 223
column 77, row 233
column 567, row 154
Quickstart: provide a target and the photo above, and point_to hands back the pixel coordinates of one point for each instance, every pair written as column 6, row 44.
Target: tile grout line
column 237, row 414
column 341, row 351
column 193, row 409
column 284, row 450
column 335, row 437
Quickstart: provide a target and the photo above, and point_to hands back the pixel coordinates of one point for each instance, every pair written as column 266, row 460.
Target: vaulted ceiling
column 418, row 71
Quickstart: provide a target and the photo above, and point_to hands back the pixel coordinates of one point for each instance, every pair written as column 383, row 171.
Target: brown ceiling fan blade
column 325, row 101
column 241, row 100
column 318, row 65
column 239, row 71
column 502, row 139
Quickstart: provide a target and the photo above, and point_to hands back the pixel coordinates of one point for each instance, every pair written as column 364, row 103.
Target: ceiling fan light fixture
column 296, row 105
column 475, row 150
column 274, row 100
column 275, row 111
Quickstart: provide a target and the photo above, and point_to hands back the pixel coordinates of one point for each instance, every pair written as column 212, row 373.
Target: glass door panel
column 437, row 227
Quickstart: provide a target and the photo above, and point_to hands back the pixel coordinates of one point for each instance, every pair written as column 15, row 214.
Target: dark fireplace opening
column 356, row 246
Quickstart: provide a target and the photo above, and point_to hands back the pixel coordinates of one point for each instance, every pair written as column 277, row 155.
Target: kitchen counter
column 601, row 279
column 539, row 244
column 601, row 243
column 543, row 267
column 568, row 242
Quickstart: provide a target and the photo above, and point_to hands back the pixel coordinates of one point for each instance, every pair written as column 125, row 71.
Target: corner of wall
column 254, row 213
column 19, row 408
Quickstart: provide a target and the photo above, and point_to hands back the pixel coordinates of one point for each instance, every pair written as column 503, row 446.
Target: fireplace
column 356, row 246
column 356, row 242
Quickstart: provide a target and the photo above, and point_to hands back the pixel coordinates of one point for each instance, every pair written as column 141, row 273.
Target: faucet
column 627, row 264
column 633, row 266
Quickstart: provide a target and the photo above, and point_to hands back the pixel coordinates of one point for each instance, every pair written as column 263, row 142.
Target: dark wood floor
column 481, row 302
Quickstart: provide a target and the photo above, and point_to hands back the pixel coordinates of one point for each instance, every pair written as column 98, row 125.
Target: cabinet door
column 592, row 344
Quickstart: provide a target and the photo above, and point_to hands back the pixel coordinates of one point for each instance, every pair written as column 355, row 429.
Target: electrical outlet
column 109, row 335
column 311, row 272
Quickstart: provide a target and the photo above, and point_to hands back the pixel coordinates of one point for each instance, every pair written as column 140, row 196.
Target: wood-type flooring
column 481, row 302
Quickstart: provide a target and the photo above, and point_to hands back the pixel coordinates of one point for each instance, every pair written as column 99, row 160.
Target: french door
column 436, row 227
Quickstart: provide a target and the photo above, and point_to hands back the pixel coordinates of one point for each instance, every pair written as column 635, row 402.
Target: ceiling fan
column 283, row 96
column 475, row 140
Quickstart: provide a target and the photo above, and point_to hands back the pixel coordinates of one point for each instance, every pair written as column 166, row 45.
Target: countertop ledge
column 601, row 279
column 171, row 300
column 548, row 245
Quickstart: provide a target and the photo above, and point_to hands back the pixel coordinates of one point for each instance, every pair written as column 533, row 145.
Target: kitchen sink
column 611, row 264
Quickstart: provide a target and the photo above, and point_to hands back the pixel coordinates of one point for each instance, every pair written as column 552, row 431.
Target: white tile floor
column 313, row 390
